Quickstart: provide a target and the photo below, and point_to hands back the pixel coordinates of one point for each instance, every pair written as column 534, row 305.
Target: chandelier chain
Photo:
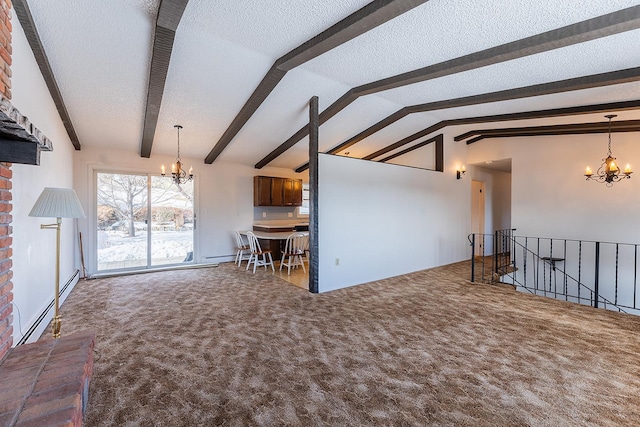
column 609, row 153
column 179, row 127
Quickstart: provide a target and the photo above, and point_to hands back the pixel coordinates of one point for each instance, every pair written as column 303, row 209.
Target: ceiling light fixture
column 608, row 172
column 178, row 174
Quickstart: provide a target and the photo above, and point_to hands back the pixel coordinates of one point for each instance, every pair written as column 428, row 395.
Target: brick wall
column 6, row 285
column 46, row 383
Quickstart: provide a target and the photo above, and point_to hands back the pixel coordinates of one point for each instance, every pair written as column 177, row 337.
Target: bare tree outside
column 131, row 235
column 125, row 195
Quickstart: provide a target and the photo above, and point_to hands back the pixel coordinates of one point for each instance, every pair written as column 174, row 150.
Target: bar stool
column 241, row 248
column 256, row 251
column 294, row 249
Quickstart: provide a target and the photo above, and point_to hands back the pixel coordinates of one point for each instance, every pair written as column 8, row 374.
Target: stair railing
column 601, row 274
column 491, row 254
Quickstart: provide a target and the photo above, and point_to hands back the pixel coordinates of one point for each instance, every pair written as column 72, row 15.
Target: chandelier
column 178, row 174
column 608, row 172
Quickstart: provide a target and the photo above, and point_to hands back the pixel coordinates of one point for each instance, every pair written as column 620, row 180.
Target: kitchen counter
column 275, row 235
column 272, row 240
column 279, row 227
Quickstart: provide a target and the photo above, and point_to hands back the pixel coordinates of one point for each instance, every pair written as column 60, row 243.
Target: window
column 304, row 209
column 143, row 221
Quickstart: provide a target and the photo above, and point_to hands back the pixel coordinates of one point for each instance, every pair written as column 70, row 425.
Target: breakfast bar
column 273, row 237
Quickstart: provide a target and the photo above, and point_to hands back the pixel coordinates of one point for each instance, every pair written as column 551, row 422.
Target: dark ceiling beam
column 413, row 148
column 470, row 120
column 586, row 82
column 389, row 120
column 169, row 15
column 544, row 114
column 542, row 129
column 375, row 13
column 579, row 83
column 601, row 26
column 555, row 130
column 28, row 25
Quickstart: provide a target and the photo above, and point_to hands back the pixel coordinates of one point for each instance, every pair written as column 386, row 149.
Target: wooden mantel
column 20, row 141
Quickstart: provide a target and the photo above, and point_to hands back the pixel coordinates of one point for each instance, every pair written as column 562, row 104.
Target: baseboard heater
column 219, row 256
column 40, row 318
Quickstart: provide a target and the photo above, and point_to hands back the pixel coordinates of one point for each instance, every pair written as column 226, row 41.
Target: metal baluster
column 483, row 252
column 596, row 283
column 495, row 253
column 473, row 257
column 524, row 260
column 551, row 265
column 525, row 257
column 579, row 268
column 503, row 245
column 635, row 272
column 512, row 247
column 538, row 266
column 564, row 255
column 616, row 287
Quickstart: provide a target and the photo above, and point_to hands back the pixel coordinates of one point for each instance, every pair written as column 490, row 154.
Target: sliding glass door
column 172, row 221
column 143, row 221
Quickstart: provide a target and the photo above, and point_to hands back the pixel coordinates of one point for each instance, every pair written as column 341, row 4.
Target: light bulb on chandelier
column 609, row 171
column 179, row 175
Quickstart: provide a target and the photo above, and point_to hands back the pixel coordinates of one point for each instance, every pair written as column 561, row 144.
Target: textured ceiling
column 441, row 30
column 100, row 54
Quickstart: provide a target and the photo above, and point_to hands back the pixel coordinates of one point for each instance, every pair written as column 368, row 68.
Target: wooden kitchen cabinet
column 292, row 192
column 261, row 191
column 274, row 191
column 277, row 192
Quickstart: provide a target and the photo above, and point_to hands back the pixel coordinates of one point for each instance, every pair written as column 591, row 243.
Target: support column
column 314, row 123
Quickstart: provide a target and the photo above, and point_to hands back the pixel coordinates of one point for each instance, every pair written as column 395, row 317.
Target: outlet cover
column 290, row 214
column 264, row 214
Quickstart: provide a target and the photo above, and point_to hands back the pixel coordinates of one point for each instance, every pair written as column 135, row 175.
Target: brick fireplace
column 6, row 285
column 45, row 383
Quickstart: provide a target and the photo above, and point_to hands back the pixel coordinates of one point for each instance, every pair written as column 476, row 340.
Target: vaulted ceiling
column 238, row 74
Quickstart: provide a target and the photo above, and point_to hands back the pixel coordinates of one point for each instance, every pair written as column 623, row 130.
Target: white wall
column 33, row 248
column 381, row 220
column 550, row 197
column 223, row 197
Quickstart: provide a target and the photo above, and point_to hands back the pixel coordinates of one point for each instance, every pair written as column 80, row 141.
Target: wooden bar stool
column 241, row 248
column 294, row 249
column 256, row 252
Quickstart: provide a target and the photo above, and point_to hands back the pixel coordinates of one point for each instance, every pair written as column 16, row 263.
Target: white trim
column 153, row 270
column 46, row 320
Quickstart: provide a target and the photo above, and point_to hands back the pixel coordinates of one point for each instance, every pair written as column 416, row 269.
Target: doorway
column 143, row 221
column 477, row 213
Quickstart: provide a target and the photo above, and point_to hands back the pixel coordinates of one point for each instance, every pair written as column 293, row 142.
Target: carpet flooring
column 223, row 347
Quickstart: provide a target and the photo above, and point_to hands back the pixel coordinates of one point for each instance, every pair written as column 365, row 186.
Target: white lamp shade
column 58, row 203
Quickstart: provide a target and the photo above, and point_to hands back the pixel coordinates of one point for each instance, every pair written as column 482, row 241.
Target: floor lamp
column 57, row 203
